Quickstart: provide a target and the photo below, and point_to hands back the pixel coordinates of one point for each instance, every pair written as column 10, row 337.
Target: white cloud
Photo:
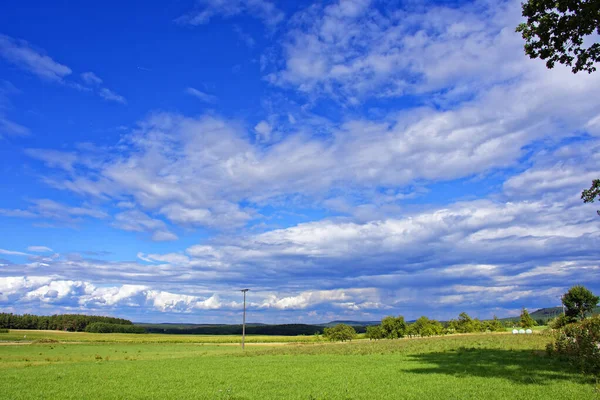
column 54, row 158
column 12, row 253
column 20, row 53
column 109, row 95
column 89, row 78
column 50, row 209
column 11, row 128
column 352, row 49
column 263, row 131
column 307, row 299
column 137, row 221
column 207, row 98
column 208, row 9
column 11, row 287
column 39, row 249
column 197, row 171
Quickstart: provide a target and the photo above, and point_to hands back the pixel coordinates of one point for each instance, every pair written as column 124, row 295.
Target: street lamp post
column 244, row 319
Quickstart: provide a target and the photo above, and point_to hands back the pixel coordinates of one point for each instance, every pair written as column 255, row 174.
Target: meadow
column 471, row 366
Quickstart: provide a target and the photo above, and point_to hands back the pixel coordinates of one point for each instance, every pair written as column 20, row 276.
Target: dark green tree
column 374, row 332
column 578, row 302
column 340, row 333
column 555, row 31
column 426, row 327
column 589, row 195
column 526, row 321
column 495, row 325
column 393, row 327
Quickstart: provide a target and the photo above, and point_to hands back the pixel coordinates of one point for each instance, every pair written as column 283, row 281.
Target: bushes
column 103, row 327
column 579, row 343
column 3, row 330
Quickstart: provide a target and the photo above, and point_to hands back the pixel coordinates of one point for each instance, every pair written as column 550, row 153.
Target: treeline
column 396, row 327
column 61, row 322
column 279, row 330
column 103, row 327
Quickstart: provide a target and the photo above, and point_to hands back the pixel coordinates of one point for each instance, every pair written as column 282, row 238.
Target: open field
column 18, row 335
column 479, row 366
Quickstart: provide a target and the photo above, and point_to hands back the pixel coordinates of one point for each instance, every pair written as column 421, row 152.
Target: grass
column 482, row 366
column 18, row 335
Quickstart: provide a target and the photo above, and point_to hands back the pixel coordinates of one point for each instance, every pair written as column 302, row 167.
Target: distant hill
column 351, row 323
column 545, row 314
column 251, row 328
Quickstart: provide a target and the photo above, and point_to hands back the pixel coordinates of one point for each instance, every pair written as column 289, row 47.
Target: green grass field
column 17, row 335
column 479, row 366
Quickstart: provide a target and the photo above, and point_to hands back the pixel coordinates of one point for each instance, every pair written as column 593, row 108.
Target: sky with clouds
column 344, row 159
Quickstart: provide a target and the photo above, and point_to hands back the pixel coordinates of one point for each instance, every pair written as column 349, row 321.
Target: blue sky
column 342, row 159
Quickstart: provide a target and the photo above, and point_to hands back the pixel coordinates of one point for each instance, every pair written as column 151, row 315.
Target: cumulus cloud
column 352, row 49
column 197, row 171
column 76, row 293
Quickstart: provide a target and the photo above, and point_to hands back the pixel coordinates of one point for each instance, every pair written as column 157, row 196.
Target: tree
column 374, row 332
column 465, row 324
column 526, row 320
column 393, row 328
column 555, row 31
column 426, row 327
column 589, row 195
column 340, row 332
column 578, row 302
column 495, row 325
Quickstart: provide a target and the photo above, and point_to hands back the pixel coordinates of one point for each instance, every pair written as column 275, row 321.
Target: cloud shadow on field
column 520, row 366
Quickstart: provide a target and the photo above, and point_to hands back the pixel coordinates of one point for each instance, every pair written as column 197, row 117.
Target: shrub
column 103, row 327
column 3, row 330
column 558, row 322
column 580, row 344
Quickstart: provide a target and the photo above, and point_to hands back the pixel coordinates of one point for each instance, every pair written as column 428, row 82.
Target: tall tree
column 556, row 31
column 526, row 320
column 579, row 302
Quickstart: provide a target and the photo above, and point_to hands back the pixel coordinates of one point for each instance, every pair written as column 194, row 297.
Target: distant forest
column 60, row 322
